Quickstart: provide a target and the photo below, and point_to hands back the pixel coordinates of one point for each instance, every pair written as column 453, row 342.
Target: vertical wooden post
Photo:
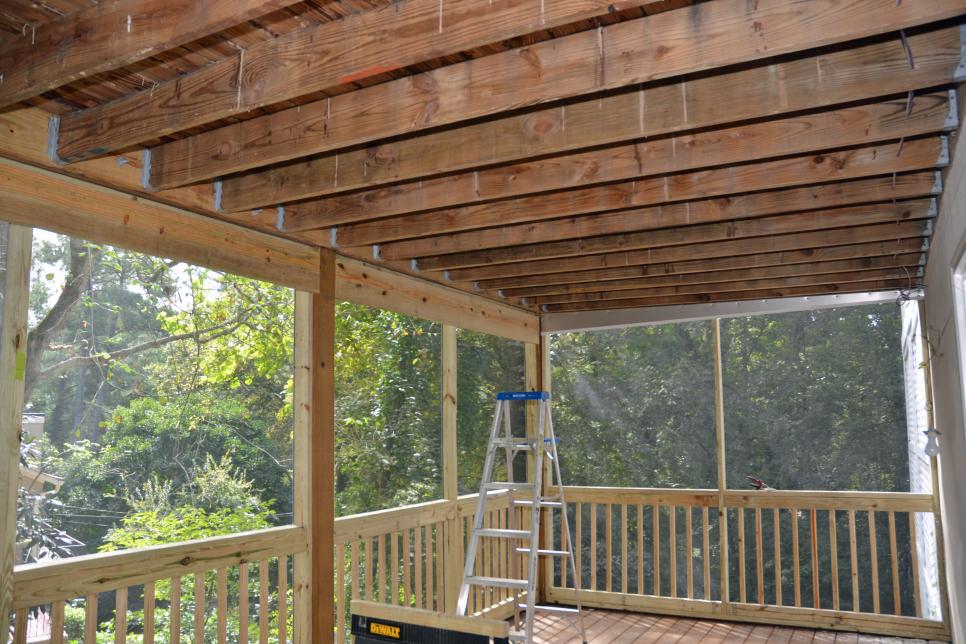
column 532, row 382
column 315, row 456
column 453, row 563
column 13, row 361
column 722, row 470
column 934, row 463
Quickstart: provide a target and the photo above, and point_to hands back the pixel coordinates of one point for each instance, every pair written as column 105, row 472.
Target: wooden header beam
column 34, row 197
column 707, row 36
column 109, row 35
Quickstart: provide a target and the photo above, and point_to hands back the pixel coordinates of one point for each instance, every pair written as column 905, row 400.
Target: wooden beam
column 829, row 78
column 842, row 165
column 639, row 286
column 316, row 59
column 830, row 195
column 109, row 35
column 322, row 479
column 374, row 286
column 687, row 235
column 15, row 288
column 795, row 241
column 909, row 271
column 522, row 285
column 706, row 36
column 826, row 130
column 736, row 296
column 34, row 197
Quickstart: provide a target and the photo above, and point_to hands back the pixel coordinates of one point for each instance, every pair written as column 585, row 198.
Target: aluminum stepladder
column 542, row 445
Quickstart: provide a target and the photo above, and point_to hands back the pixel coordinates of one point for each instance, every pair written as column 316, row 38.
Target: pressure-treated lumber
column 706, row 36
column 724, row 583
column 684, row 235
column 109, row 35
column 879, row 189
column 318, row 58
column 858, row 125
column 450, row 455
column 322, row 468
column 729, row 248
column 302, row 471
column 774, row 277
column 562, row 282
column 736, row 296
column 920, row 154
column 15, row 290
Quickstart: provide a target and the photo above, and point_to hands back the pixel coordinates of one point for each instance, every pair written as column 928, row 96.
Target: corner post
column 453, row 564
column 13, row 356
column 719, row 424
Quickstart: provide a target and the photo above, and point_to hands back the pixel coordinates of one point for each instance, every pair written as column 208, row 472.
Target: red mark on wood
column 366, row 73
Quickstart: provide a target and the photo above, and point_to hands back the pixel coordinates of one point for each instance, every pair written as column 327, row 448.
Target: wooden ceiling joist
column 909, row 271
column 689, row 235
column 757, row 204
column 109, row 35
column 315, row 59
column 737, row 296
column 707, row 36
column 812, row 82
column 523, row 285
column 557, row 294
column 919, row 154
column 732, row 247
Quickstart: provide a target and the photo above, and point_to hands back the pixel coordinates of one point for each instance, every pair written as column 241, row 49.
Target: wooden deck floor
column 611, row 627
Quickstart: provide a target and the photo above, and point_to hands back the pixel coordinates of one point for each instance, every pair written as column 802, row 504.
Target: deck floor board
column 615, row 627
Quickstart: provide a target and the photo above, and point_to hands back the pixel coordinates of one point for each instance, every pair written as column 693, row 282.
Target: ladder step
column 504, row 485
column 518, row 636
column 520, row 444
column 502, row 533
column 546, row 553
column 551, row 609
column 500, row 582
column 543, row 504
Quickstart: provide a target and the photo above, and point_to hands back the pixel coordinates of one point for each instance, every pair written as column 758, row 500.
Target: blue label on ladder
column 523, row 395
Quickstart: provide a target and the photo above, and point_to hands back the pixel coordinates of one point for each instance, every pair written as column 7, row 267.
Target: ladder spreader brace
column 543, row 444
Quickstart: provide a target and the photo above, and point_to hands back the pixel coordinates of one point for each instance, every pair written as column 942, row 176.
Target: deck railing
column 202, row 584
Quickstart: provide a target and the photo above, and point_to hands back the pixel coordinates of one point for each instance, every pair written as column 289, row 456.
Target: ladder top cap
column 523, row 395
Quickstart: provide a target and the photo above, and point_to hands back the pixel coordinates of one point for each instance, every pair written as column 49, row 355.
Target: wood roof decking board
column 706, row 36
column 809, row 82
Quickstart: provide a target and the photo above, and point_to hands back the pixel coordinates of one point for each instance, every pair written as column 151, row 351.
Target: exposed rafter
column 706, row 36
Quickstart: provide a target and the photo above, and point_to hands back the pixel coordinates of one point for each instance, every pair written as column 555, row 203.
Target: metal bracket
column 334, row 237
column 952, row 118
column 414, row 267
column 53, row 132
column 943, row 159
column 960, row 72
column 375, row 251
column 146, row 170
column 937, row 185
column 218, row 192
column 933, row 208
column 280, row 218
column 927, row 231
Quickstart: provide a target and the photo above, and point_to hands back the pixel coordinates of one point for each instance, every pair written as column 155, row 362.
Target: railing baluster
column 894, row 557
column 914, row 550
column 706, row 551
column 608, row 544
column 759, row 558
column 874, row 558
column 20, row 626
column 834, row 557
column 341, row 608
column 381, row 569
column 742, row 564
column 120, row 617
column 367, row 585
column 417, row 570
column 243, row 608
column 174, row 611
column 283, row 596
column 222, row 606
column 440, row 588
column 563, row 546
column 689, row 544
column 672, row 511
column 90, row 617
column 263, row 601
column 394, row 569
column 656, row 545
column 854, row 560
column 57, row 623
column 623, row 537
column 593, row 546
column 813, row 530
column 149, row 602
column 407, row 568
column 640, row 549
column 579, row 543
column 777, row 538
column 796, row 560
